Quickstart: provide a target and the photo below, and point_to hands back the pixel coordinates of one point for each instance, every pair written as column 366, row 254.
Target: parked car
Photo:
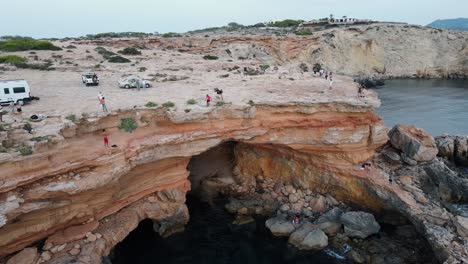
column 16, row 91
column 90, row 78
column 132, row 82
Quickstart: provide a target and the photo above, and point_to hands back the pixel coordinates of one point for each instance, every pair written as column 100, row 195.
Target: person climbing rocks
column 219, row 92
column 106, row 138
column 208, row 100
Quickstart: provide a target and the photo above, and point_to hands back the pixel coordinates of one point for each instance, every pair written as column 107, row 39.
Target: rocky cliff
column 377, row 50
column 73, row 182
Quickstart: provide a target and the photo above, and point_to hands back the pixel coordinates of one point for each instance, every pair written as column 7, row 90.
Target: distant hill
column 454, row 24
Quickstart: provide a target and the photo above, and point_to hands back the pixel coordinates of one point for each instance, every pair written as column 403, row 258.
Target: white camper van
column 16, row 91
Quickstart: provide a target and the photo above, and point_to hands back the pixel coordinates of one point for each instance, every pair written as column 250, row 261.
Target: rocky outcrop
column 453, row 148
column 73, row 182
column 415, row 144
column 308, row 237
column 359, row 224
column 280, row 226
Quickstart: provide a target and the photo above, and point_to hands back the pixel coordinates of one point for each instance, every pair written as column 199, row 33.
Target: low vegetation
column 151, row 104
column 264, row 67
column 304, row 67
column 25, row 150
column 142, row 69
column 220, row 103
column 130, row 51
column 175, row 78
column 168, row 104
column 303, row 33
column 10, row 44
column 171, row 35
column 71, row 117
column 317, row 67
column 128, row 125
column 251, row 103
column 191, row 101
column 118, row 35
column 12, row 59
column 285, row 23
column 210, row 57
column 111, row 56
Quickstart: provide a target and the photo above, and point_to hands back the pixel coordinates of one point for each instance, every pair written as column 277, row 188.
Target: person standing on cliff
column 105, row 138
column 208, row 100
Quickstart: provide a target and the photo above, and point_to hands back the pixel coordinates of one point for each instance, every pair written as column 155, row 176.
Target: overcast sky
column 62, row 18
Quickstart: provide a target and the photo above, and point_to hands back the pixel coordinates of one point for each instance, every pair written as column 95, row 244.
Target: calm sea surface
column 437, row 106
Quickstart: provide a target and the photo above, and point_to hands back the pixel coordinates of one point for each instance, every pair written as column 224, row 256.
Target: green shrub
column 220, row 103
column 304, row 67
column 118, row 35
column 118, row 59
column 210, row 57
column 12, row 59
column 27, row 126
column 171, row 35
column 42, row 138
column 317, row 67
column 84, row 115
column 71, row 117
column 285, row 23
column 175, row 78
column 25, row 43
column 25, row 150
column 151, row 104
column 128, row 125
column 70, row 47
column 142, row 69
column 97, row 66
column 191, row 101
column 4, row 127
column 130, row 51
column 264, row 67
column 303, row 33
column 168, row 104
column 251, row 103
column 187, row 110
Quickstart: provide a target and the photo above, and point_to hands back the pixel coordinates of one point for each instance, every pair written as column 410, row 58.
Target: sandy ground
column 61, row 91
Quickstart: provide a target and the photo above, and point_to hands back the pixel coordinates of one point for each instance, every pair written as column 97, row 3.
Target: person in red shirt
column 208, row 100
column 106, row 138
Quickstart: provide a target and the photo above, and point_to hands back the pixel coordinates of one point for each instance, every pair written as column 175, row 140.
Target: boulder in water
column 308, row 237
column 415, row 144
column 329, row 222
column 280, row 226
column 359, row 224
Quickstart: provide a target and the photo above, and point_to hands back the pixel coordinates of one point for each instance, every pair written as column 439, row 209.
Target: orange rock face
column 77, row 181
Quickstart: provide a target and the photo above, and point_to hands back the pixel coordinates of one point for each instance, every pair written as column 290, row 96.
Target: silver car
column 133, row 82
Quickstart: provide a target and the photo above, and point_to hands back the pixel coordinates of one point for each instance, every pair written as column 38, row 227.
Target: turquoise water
column 437, row 106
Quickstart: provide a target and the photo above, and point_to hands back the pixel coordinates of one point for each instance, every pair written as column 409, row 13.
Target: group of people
column 219, row 93
column 327, row 75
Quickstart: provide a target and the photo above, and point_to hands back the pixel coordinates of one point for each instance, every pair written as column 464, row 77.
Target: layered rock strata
column 73, row 181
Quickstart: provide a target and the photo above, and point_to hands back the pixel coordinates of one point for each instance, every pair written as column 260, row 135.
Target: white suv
column 132, row 82
column 90, row 78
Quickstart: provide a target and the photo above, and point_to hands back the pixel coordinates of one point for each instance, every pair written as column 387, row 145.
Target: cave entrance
column 212, row 171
